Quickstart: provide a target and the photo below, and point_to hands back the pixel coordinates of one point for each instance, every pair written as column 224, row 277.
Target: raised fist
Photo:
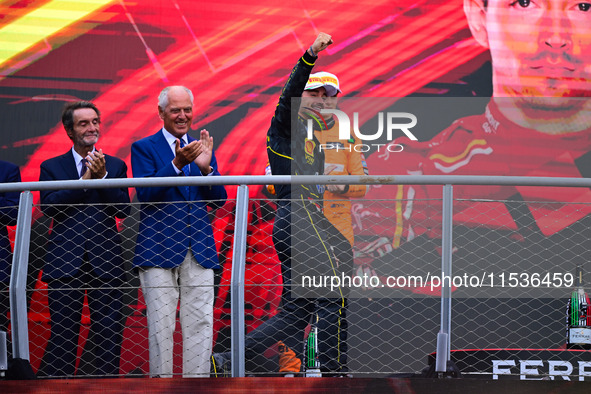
column 321, row 43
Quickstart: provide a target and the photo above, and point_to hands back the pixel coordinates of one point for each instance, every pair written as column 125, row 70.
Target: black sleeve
column 294, row 87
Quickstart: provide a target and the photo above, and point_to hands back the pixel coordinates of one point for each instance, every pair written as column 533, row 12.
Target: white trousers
column 162, row 289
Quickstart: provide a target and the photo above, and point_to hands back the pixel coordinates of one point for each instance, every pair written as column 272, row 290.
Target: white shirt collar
column 170, row 139
column 78, row 158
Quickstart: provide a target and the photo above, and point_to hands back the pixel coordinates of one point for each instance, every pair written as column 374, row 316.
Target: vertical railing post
column 237, row 285
column 18, row 278
column 444, row 335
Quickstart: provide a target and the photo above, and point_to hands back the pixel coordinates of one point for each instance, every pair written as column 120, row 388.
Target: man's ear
column 476, row 15
column 70, row 134
column 160, row 113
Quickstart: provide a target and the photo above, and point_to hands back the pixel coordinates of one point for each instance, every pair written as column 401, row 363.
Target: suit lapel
column 3, row 172
column 69, row 165
column 164, row 152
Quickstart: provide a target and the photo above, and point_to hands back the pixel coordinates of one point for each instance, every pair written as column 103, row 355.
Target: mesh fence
column 88, row 316
column 514, row 263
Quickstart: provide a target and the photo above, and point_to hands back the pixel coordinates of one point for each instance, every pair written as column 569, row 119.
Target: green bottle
column 578, row 316
column 312, row 364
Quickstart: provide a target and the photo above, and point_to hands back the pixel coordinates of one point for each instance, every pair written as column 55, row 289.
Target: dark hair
column 68, row 112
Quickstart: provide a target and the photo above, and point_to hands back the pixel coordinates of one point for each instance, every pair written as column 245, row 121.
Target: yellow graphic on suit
column 309, row 150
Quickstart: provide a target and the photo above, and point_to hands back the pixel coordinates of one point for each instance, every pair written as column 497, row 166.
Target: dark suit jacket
column 8, row 213
column 168, row 230
column 83, row 229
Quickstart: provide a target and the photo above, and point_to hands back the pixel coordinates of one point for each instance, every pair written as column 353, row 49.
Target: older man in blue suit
column 8, row 211
column 83, row 250
column 175, row 249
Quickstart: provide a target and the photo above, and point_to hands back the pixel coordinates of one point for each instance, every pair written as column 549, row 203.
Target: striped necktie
column 187, row 168
column 187, row 172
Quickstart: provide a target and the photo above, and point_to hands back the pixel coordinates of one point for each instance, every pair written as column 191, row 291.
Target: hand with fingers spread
column 203, row 161
column 322, row 41
column 187, row 153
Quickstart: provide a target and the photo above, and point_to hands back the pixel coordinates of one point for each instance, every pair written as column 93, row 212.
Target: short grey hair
column 163, row 96
column 68, row 112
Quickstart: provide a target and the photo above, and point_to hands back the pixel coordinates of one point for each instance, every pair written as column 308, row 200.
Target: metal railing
column 18, row 297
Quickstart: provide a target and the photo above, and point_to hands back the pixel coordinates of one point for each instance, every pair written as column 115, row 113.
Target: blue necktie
column 187, row 168
column 84, row 168
column 187, row 172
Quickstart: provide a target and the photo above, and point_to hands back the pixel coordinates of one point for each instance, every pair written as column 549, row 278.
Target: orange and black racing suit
column 314, row 247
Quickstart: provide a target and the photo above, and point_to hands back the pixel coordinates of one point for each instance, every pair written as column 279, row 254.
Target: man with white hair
column 175, row 251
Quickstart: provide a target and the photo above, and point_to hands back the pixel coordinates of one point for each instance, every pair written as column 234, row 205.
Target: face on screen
column 540, row 48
